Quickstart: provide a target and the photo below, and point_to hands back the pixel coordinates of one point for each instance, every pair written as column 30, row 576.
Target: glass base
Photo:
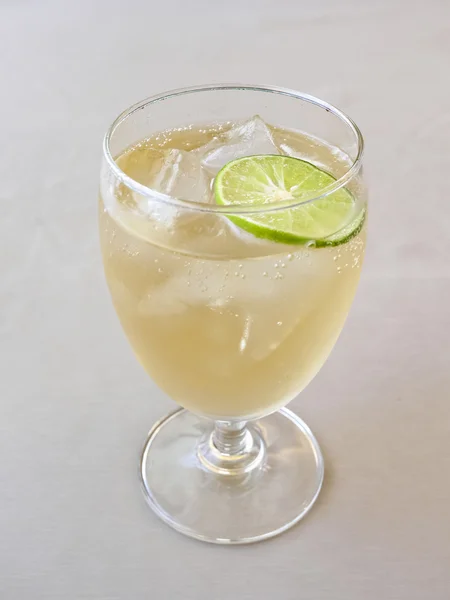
column 231, row 506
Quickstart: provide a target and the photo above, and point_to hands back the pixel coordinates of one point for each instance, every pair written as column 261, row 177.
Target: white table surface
column 75, row 406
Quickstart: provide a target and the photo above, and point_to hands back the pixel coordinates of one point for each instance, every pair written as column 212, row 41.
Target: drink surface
column 226, row 324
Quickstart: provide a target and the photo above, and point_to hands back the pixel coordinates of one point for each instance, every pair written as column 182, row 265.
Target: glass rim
column 235, row 208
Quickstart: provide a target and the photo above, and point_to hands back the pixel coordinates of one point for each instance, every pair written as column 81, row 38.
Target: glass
column 230, row 326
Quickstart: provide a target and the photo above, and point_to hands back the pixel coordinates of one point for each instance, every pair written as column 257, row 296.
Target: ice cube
column 178, row 174
column 181, row 176
column 164, row 300
column 246, row 139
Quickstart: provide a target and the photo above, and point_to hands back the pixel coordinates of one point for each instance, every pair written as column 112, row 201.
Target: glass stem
column 232, row 448
column 231, row 438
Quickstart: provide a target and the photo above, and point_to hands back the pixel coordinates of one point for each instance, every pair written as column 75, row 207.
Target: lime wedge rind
column 346, row 233
column 267, row 179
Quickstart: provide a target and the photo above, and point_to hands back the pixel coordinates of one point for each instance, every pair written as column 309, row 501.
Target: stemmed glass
column 231, row 326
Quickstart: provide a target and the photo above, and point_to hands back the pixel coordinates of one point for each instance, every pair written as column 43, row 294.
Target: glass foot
column 269, row 490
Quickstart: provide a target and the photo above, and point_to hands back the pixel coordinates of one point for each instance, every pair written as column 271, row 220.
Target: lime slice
column 268, row 179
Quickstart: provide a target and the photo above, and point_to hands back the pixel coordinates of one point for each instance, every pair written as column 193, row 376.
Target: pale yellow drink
column 226, row 324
